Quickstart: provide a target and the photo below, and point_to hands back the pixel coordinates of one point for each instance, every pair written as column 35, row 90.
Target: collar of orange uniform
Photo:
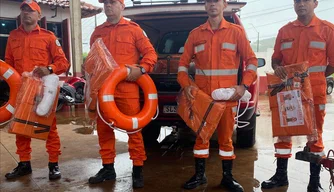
column 37, row 28
column 315, row 20
column 223, row 24
column 122, row 21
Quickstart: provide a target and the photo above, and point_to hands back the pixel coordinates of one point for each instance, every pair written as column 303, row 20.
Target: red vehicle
column 168, row 25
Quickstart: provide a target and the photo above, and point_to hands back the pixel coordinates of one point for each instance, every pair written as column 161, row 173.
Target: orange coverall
column 314, row 43
column 24, row 51
column 217, row 59
column 126, row 42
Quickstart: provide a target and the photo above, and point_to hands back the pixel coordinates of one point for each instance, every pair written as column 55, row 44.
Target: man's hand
column 187, row 91
column 134, row 74
column 280, row 72
column 239, row 92
column 40, row 72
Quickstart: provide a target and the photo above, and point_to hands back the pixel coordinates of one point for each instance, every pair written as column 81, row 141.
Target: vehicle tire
column 150, row 134
column 60, row 104
column 329, row 89
column 246, row 136
column 79, row 87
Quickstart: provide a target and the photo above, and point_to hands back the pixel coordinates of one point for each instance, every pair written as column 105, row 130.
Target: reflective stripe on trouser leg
column 283, row 149
column 130, row 107
column 201, row 149
column 225, row 132
column 53, row 143
column 318, row 147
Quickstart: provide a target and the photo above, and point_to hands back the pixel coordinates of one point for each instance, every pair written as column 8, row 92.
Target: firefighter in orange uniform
column 28, row 47
column 216, row 47
column 306, row 39
column 126, row 41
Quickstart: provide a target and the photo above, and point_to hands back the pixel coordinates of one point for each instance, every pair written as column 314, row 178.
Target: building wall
column 11, row 9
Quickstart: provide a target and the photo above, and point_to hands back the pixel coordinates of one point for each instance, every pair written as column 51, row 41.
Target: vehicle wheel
column 79, row 88
column 246, row 136
column 150, row 134
column 60, row 104
column 329, row 89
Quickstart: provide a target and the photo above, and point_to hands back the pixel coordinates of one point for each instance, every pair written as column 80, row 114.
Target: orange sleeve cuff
column 146, row 67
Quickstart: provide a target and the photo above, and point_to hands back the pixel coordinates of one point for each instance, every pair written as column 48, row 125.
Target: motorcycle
column 71, row 92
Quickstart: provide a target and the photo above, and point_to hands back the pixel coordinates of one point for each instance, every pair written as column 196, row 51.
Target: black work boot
column 137, row 177
column 314, row 184
column 54, row 172
column 23, row 168
column 106, row 173
column 281, row 176
column 199, row 178
column 228, row 181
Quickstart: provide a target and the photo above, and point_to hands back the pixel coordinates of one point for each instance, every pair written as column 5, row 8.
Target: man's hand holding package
column 188, row 93
column 134, row 74
column 41, row 71
column 280, row 72
column 239, row 92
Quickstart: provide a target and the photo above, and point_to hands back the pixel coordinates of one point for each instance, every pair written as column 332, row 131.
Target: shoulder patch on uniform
column 58, row 43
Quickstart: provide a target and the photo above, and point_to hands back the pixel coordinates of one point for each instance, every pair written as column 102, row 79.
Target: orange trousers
column 128, row 106
column 52, row 145
column 283, row 149
column 225, row 132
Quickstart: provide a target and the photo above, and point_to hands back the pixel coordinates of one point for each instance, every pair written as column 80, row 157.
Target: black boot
column 137, row 177
column 23, row 168
column 54, row 172
column 281, row 176
column 106, row 173
column 199, row 178
column 228, row 181
column 314, row 184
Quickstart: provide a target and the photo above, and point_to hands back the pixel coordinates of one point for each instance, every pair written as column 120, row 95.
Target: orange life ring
column 113, row 115
column 13, row 79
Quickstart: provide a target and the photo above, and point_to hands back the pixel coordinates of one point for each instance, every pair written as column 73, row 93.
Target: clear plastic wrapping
column 35, row 94
column 98, row 66
column 291, row 103
column 202, row 114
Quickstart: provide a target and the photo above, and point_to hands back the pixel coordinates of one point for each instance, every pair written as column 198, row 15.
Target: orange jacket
column 314, row 43
column 217, row 57
column 40, row 47
column 126, row 42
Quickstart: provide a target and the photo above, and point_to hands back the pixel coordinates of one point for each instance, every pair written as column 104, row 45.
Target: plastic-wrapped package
column 202, row 114
column 50, row 91
column 26, row 121
column 98, row 66
column 291, row 103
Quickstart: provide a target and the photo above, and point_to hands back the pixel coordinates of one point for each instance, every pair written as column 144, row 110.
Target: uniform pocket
column 316, row 50
column 202, row 83
column 38, row 51
column 125, row 45
column 228, row 53
column 200, row 50
column 319, row 85
column 16, row 49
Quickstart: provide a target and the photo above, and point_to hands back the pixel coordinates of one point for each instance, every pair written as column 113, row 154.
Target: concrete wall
column 11, row 9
